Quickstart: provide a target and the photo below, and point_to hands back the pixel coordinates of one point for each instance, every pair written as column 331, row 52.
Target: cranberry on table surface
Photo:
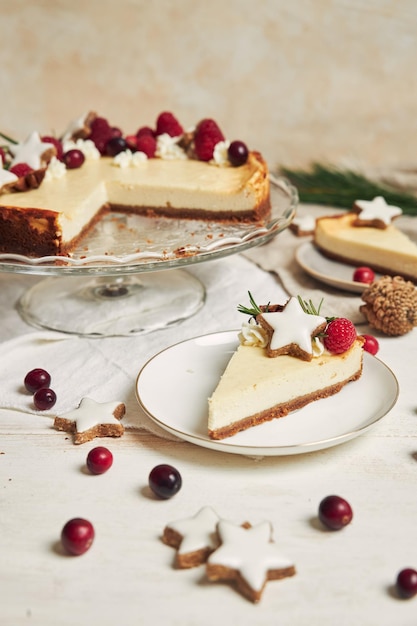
column 36, row 379
column 77, row 536
column 44, row 398
column 371, row 344
column 99, row 460
column 364, row 275
column 165, row 481
column 335, row 512
column 406, row 582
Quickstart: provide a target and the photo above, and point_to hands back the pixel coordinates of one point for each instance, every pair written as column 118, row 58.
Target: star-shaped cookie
column 247, row 557
column 92, row 419
column 375, row 212
column 33, row 151
column 194, row 537
column 291, row 330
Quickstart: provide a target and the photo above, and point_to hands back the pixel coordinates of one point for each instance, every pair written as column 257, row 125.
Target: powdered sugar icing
column 198, row 532
column 249, row 551
column 293, row 325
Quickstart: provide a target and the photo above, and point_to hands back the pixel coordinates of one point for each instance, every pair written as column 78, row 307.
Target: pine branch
column 341, row 188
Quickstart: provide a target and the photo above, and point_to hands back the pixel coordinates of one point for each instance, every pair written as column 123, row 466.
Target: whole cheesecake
column 385, row 249
column 262, row 382
column 46, row 214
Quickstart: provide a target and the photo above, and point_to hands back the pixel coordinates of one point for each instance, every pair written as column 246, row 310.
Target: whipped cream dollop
column 220, row 156
column 127, row 158
column 167, row 148
column 86, row 146
column 253, row 334
column 56, row 169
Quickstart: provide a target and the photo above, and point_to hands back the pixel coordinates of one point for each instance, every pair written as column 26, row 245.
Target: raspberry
column 21, row 169
column 55, row 142
column 131, row 142
column 207, row 135
column 146, row 144
column 167, row 123
column 145, row 130
column 340, row 335
column 101, row 132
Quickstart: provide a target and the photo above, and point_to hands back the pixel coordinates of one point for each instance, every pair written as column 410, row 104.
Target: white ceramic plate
column 173, row 387
column 327, row 271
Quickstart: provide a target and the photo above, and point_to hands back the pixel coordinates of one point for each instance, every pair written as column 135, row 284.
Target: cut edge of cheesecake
column 37, row 223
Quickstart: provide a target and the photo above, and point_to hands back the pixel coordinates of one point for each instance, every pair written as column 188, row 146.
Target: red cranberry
column 44, row 398
column 165, row 481
column 335, row 512
column 407, row 583
column 73, row 159
column 237, row 153
column 99, row 460
column 371, row 344
column 115, row 145
column 364, row 275
column 36, row 379
column 77, row 536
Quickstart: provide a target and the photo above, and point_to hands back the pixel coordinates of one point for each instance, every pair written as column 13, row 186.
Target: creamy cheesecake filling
column 388, row 250
column 180, row 188
column 253, row 384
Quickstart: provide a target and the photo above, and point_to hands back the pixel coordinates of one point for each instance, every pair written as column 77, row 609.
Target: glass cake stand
column 129, row 275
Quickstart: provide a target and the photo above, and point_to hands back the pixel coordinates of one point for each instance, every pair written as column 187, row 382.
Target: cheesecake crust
column 281, row 410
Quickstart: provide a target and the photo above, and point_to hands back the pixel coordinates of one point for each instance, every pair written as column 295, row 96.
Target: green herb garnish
column 254, row 310
column 341, row 188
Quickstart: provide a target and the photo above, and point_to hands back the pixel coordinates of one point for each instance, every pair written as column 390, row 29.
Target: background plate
column 173, row 388
column 327, row 271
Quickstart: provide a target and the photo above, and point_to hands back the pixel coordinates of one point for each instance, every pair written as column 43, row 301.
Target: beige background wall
column 301, row 80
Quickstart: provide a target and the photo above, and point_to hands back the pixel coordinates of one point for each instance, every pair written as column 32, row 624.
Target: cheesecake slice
column 386, row 250
column 255, row 388
column 260, row 384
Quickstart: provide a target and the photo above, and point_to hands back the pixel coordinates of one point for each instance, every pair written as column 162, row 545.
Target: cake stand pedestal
column 112, row 306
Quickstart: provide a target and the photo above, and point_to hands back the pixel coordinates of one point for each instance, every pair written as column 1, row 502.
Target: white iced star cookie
column 194, row 537
column 303, row 226
column 291, row 330
column 33, row 151
column 92, row 419
column 375, row 212
column 248, row 557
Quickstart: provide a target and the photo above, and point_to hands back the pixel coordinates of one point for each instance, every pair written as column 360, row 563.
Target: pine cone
column 391, row 305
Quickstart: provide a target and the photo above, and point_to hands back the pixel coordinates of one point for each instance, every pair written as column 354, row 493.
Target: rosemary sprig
column 308, row 307
column 341, row 188
column 9, row 139
column 253, row 311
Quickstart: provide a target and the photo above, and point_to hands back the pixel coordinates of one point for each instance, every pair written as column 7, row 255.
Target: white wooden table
column 127, row 576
